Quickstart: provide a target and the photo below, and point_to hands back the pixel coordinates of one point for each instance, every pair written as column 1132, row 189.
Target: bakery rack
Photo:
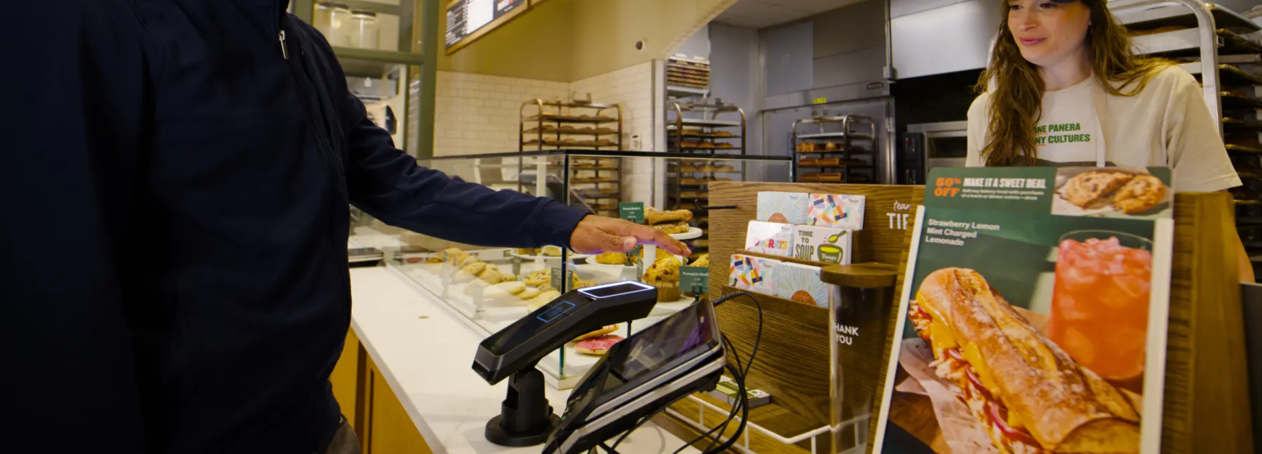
column 687, row 77
column 1223, row 50
column 830, row 146
column 706, row 128
column 555, row 125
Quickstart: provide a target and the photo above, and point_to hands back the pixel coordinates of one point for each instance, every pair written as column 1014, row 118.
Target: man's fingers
column 651, row 235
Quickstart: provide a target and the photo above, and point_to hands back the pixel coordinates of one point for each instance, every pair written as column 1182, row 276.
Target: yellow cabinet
column 372, row 408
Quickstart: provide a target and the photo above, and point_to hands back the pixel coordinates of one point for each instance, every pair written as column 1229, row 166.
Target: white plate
column 693, row 233
column 663, row 309
column 571, row 255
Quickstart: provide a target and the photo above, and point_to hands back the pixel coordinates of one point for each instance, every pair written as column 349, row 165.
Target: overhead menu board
column 468, row 20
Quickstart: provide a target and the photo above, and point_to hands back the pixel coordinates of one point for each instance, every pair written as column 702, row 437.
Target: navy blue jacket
column 176, row 183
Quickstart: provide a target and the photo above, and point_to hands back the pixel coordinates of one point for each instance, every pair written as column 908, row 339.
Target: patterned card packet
column 800, row 283
column 783, row 207
column 752, row 273
column 769, row 238
column 836, row 210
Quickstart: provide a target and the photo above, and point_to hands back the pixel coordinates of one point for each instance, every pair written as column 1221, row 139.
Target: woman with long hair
column 1064, row 88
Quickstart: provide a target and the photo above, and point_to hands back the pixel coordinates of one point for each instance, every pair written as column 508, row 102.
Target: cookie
column 1141, row 194
column 597, row 346
column 543, row 299
column 1090, row 190
column 608, row 329
column 493, row 277
column 529, row 293
column 512, row 288
column 655, row 216
column 537, row 278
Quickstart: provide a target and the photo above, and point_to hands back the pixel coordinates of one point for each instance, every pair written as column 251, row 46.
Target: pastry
column 597, row 346
column 474, row 268
column 703, row 260
column 528, row 251
column 454, row 256
column 607, row 329
column 723, row 134
column 708, row 168
column 724, row 145
column 469, row 261
column 551, row 251
column 830, row 146
column 806, row 147
column 724, row 168
column 1090, row 190
column 543, row 298
column 1003, row 366
column 491, row 276
column 434, row 260
column 664, row 275
column 538, row 278
column 529, row 292
column 511, row 288
column 673, row 228
column 1139, row 195
column 612, row 258
column 655, row 216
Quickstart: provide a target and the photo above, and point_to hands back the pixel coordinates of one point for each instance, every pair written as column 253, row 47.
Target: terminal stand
column 525, row 417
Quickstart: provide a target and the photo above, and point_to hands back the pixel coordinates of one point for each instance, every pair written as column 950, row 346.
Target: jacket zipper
column 323, row 146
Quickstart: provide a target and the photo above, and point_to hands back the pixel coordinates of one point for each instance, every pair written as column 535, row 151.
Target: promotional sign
column 631, row 211
column 1033, row 316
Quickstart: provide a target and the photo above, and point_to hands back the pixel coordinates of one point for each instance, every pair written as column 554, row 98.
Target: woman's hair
column 1016, row 99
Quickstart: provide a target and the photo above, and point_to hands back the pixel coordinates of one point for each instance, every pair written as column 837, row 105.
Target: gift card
column 752, row 273
column 800, row 283
column 768, row 238
column 783, row 207
column 836, row 210
column 822, row 244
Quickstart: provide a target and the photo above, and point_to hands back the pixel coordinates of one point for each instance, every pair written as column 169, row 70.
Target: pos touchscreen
column 648, row 360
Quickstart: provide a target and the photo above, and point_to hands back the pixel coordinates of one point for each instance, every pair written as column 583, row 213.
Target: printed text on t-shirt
column 1043, row 134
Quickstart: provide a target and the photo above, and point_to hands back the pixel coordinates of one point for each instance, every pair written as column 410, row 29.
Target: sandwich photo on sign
column 1025, row 331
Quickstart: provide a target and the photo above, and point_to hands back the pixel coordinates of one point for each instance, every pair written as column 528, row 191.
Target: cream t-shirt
column 1166, row 125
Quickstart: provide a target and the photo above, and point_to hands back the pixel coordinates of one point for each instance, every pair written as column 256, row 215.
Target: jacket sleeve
column 389, row 184
column 78, row 104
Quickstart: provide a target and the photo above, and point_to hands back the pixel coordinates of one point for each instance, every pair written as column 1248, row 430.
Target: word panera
column 1016, row 183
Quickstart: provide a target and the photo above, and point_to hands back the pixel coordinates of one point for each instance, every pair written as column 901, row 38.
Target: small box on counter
column 769, row 238
column 752, row 273
column 822, row 244
column 783, row 207
column 729, row 392
column 836, row 210
column 800, row 283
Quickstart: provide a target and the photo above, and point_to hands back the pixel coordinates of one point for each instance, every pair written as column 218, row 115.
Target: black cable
column 628, row 432
column 738, row 375
column 731, row 414
column 739, row 379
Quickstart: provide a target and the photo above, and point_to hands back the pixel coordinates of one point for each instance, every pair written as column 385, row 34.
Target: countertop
column 425, row 350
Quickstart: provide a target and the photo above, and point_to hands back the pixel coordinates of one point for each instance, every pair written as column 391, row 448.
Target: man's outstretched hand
column 596, row 234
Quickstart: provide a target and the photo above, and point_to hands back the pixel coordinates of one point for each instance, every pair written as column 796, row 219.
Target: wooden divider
column 793, row 358
column 1206, row 394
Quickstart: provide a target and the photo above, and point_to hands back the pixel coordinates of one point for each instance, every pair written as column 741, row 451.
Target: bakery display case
column 492, row 287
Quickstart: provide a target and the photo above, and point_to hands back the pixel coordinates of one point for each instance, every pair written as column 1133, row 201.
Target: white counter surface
column 425, row 351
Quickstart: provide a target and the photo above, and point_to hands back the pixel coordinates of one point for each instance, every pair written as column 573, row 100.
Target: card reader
column 640, row 376
column 525, row 417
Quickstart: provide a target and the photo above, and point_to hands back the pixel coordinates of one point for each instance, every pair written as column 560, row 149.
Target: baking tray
column 1182, row 16
column 1187, row 43
column 572, row 118
column 1236, row 125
